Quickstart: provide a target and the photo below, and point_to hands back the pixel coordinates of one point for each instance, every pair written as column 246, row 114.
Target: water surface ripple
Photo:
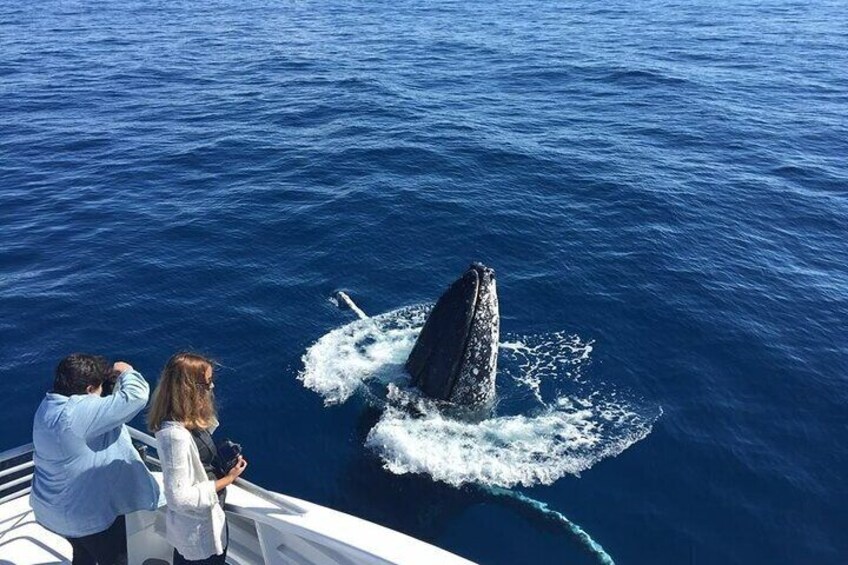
column 664, row 179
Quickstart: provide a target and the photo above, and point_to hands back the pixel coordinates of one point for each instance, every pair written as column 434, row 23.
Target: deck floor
column 24, row 542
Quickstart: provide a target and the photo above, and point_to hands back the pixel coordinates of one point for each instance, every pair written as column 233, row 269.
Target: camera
column 228, row 454
column 109, row 382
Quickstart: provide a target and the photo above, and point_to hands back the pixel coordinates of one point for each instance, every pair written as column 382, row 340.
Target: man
column 87, row 472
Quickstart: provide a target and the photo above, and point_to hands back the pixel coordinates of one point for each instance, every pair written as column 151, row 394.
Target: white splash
column 507, row 450
column 565, row 433
column 541, row 357
column 374, row 348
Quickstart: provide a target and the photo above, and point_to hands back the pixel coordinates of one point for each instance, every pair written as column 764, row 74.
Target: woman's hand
column 231, row 477
column 121, row 367
column 237, row 469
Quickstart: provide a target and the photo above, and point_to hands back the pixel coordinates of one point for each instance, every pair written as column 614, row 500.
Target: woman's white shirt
column 194, row 520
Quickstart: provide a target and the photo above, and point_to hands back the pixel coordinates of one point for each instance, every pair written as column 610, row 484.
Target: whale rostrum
column 456, row 354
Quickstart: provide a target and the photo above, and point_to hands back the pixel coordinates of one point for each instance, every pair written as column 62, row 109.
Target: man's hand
column 121, row 367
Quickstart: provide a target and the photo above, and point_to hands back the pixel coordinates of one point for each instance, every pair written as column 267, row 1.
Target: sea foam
column 563, row 433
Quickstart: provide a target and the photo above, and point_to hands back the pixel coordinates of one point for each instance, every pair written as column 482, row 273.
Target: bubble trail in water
column 575, row 530
column 574, row 424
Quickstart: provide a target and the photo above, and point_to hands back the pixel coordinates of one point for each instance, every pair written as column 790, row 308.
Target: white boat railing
column 149, row 441
column 10, row 467
column 15, row 472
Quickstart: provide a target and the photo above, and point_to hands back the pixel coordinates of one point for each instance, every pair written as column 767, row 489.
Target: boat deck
column 23, row 542
column 264, row 527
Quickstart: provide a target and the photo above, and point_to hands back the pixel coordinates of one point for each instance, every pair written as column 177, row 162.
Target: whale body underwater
column 456, row 354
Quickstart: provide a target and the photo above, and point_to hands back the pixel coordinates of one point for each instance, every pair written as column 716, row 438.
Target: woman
column 182, row 415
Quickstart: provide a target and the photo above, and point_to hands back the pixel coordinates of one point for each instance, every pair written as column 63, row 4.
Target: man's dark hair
column 78, row 371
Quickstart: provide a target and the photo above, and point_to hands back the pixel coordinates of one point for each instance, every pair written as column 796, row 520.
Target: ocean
column 661, row 187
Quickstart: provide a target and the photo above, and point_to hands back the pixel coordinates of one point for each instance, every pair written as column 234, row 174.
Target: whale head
column 455, row 356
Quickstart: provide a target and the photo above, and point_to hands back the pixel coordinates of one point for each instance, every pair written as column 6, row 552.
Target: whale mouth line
column 472, row 315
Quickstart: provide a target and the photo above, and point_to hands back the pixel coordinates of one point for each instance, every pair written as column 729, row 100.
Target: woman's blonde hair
column 182, row 394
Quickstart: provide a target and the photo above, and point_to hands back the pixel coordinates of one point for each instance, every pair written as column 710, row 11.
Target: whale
column 455, row 356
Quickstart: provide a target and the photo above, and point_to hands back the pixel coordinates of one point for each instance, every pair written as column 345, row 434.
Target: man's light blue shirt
column 87, row 471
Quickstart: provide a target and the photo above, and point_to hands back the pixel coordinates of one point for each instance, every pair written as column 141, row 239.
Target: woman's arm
column 180, row 494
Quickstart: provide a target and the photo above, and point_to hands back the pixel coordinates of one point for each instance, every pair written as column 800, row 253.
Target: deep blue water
column 664, row 179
